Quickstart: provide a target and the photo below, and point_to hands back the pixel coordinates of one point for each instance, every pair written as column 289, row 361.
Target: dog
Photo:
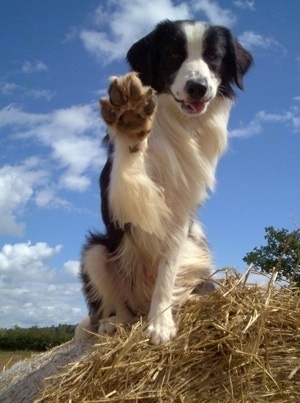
column 167, row 128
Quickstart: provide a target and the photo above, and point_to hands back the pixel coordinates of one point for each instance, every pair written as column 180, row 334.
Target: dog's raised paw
column 130, row 107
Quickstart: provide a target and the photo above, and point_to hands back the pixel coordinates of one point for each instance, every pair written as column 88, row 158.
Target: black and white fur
column 153, row 256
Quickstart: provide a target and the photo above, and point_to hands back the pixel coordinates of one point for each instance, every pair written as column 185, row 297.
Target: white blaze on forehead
column 194, row 34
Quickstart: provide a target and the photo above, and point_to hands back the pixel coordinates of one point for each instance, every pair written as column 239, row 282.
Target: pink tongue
column 197, row 107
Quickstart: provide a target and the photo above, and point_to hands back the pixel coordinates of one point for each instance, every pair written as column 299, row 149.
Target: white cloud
column 34, row 67
column 72, row 138
column 73, row 181
column 17, row 185
column 14, row 116
column 41, row 304
column 72, row 134
column 264, row 116
column 38, row 94
column 249, row 130
column 252, row 40
column 71, row 35
column 214, row 13
column 244, row 4
column 72, row 267
column 76, row 118
column 9, row 89
column 129, row 21
column 77, row 156
column 295, row 115
column 296, row 123
column 47, row 198
column 255, row 126
column 72, row 147
column 34, row 293
column 26, row 260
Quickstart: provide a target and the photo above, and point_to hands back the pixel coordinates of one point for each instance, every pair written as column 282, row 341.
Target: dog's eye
column 175, row 55
column 213, row 57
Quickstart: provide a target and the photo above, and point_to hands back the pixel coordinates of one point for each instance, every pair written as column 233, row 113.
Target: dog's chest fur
column 190, row 149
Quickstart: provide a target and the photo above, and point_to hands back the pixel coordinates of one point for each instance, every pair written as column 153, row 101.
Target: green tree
column 282, row 252
column 35, row 338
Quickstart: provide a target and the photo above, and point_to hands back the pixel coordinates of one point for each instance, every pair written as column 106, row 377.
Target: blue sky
column 56, row 57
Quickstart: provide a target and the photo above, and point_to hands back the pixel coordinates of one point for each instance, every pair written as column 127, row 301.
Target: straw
column 239, row 344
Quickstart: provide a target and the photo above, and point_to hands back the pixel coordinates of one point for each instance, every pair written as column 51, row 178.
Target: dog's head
column 192, row 61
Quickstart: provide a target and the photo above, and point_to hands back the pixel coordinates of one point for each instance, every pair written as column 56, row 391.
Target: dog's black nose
column 196, row 88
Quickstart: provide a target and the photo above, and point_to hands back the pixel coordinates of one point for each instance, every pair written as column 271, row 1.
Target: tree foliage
column 282, row 252
column 35, row 338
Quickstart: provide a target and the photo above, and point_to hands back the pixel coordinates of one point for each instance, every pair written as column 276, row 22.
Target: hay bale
column 24, row 380
column 239, row 344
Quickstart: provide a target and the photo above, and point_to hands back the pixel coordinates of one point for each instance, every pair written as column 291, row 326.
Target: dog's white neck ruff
column 190, row 146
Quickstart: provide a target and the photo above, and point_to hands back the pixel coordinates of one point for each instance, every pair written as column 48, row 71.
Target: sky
column 56, row 58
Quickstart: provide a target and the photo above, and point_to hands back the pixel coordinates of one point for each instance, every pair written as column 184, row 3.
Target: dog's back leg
column 102, row 289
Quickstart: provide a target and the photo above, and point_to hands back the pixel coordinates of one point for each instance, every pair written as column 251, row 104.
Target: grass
column 9, row 358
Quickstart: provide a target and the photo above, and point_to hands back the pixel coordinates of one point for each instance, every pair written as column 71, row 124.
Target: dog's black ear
column 143, row 58
column 237, row 60
column 242, row 60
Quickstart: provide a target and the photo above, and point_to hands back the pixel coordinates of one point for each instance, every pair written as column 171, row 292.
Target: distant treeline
column 35, row 338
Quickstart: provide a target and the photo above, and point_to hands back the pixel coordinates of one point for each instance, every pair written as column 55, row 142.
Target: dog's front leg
column 134, row 197
column 161, row 324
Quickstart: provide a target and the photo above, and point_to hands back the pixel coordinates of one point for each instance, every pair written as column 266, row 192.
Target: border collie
column 166, row 123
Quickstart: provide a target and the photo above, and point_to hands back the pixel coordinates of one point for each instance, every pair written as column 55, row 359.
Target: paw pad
column 130, row 107
column 116, row 96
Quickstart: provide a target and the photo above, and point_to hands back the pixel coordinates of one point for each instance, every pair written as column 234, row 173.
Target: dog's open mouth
column 192, row 107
